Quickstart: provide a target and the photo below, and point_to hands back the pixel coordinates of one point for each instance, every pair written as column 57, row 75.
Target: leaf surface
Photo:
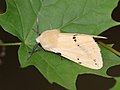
column 76, row 16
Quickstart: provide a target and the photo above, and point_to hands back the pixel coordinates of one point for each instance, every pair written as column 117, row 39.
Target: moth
column 79, row 48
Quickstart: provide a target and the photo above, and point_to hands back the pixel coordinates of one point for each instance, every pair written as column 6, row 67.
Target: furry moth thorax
column 48, row 39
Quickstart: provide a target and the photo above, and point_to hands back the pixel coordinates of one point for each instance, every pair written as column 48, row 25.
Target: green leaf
column 117, row 86
column 81, row 16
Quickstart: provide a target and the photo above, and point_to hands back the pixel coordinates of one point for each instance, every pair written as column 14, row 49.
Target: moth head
column 48, row 39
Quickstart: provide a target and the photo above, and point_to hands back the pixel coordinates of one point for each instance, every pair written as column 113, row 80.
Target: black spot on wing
column 94, row 60
column 75, row 40
column 96, row 64
column 75, row 34
column 80, row 62
column 74, row 37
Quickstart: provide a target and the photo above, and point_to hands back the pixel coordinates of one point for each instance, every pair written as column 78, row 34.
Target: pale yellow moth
column 79, row 48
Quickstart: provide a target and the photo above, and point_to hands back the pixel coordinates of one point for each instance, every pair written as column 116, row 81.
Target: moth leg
column 100, row 37
column 59, row 55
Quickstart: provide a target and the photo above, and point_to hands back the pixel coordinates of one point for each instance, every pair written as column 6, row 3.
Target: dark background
column 12, row 77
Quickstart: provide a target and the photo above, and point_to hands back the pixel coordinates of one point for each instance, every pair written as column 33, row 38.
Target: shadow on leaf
column 94, row 82
column 114, row 71
column 113, row 35
column 116, row 13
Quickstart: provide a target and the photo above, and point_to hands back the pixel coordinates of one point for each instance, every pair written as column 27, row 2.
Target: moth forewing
column 79, row 48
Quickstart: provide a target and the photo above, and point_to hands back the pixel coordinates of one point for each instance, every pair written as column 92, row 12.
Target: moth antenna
column 33, row 50
column 38, row 34
column 37, row 23
column 37, row 26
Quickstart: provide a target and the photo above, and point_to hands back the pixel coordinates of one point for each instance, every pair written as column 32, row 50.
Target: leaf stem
column 10, row 44
column 105, row 45
column 109, row 48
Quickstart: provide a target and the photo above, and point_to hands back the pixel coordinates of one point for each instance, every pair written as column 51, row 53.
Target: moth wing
column 79, row 48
